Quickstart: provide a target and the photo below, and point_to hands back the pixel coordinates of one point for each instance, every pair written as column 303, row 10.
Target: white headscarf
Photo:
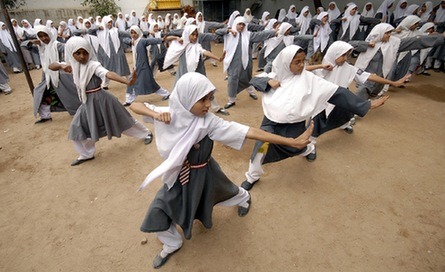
column 82, row 73
column 232, row 17
column 426, row 15
column 383, row 9
column 270, row 24
column 97, row 22
column 231, row 43
column 120, row 22
column 264, row 20
column 322, row 38
column 30, row 30
column 340, row 75
column 133, row 19
column 281, row 15
column 424, row 52
column 17, row 29
column 399, row 12
column 247, row 15
column 37, row 22
column 134, row 45
column 440, row 15
column 352, row 21
column 200, row 25
column 333, row 14
column 190, row 21
column 304, row 22
column 292, row 15
column 6, row 38
column 144, row 25
column 272, row 43
column 168, row 20
column 51, row 28
column 192, row 50
column 175, row 20
column 299, row 96
column 406, row 32
column 105, row 35
column 160, row 22
column 71, row 25
column 368, row 13
column 94, row 41
column 79, row 24
column 175, row 140
column 389, row 49
column 49, row 53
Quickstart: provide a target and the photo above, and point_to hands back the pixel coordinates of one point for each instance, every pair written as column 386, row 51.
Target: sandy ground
column 372, row 201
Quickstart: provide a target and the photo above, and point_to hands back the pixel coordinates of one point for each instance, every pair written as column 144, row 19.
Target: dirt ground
column 372, row 201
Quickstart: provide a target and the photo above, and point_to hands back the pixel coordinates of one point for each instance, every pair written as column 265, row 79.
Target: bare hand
column 371, row 44
column 234, row 32
column 163, row 117
column 181, row 41
column 222, row 57
column 344, row 19
column 274, row 84
column 402, row 81
column 379, row 102
column 328, row 67
column 303, row 140
column 66, row 68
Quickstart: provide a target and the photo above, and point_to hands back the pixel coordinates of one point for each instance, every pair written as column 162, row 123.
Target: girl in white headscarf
column 193, row 181
column 248, row 15
column 440, row 13
column 400, row 10
column 342, row 73
column 27, row 28
column 100, row 113
column 79, row 23
column 424, row 56
column 291, row 95
column 133, row 19
column 304, row 20
column 281, row 15
column 205, row 27
column 120, row 23
column 50, row 25
column 30, row 50
column 425, row 11
column 71, row 25
column 145, row 82
column 175, row 21
column 322, row 33
column 98, row 22
column 9, row 50
column 18, row 30
column 383, row 11
column 160, row 22
column 168, row 22
column 144, row 25
column 350, row 23
column 57, row 91
column 92, row 39
column 291, row 15
column 111, row 54
column 63, row 32
column 37, row 22
column 368, row 10
column 238, row 57
column 333, row 11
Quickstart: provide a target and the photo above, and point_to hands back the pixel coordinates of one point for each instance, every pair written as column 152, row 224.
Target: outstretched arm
column 115, row 77
column 300, row 142
column 140, row 108
column 398, row 83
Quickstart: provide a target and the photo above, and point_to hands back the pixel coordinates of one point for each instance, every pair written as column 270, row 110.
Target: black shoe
column 222, row 111
column 253, row 96
column 228, row 105
column 349, row 130
column 247, row 185
column 148, row 139
column 165, row 97
column 159, row 261
column 77, row 161
column 244, row 211
column 126, row 104
column 43, row 120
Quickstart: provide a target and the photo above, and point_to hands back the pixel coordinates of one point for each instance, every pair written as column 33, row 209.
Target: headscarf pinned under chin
column 299, row 96
column 106, row 34
column 192, row 50
column 175, row 140
column 352, row 21
column 134, row 44
column 231, row 43
column 340, row 75
column 82, row 73
column 49, row 53
column 272, row 43
column 333, row 14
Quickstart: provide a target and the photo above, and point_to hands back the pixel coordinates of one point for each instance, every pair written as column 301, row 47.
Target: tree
column 13, row 4
column 101, row 7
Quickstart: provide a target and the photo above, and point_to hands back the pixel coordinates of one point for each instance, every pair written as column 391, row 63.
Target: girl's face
column 386, row 36
column 297, row 63
column 88, row 25
column 353, row 11
column 324, row 19
column 240, row 27
column 368, row 7
column 292, row 10
column 43, row 37
column 25, row 24
column 109, row 25
column 201, row 108
column 81, row 56
column 306, row 13
column 194, row 36
column 414, row 26
column 156, row 28
column 423, row 8
column 343, row 58
column 14, row 22
column 331, row 6
column 200, row 17
column 4, row 27
column 134, row 35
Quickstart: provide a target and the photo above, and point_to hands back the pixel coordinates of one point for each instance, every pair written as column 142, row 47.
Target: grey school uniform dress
column 182, row 204
column 117, row 62
column 102, row 115
column 11, row 57
column 62, row 98
column 145, row 81
column 239, row 77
